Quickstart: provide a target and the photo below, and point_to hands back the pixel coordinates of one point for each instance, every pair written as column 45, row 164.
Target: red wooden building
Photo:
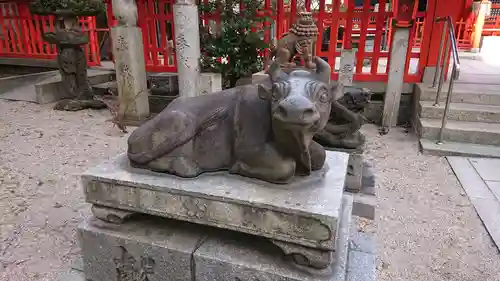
column 360, row 25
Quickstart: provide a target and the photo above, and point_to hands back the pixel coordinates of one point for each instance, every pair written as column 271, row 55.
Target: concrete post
column 187, row 41
column 396, row 77
column 480, row 9
column 128, row 51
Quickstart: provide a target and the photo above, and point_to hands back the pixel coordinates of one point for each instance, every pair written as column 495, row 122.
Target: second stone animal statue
column 255, row 131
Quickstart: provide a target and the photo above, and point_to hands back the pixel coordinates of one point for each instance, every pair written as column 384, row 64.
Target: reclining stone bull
column 255, row 130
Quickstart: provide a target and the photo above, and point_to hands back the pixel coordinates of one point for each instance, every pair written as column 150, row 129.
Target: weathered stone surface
column 362, row 242
column 305, row 212
column 354, row 178
column 130, row 72
column 361, row 266
column 346, row 72
column 187, row 44
column 209, row 83
column 342, row 250
column 152, row 248
column 229, row 258
column 163, row 84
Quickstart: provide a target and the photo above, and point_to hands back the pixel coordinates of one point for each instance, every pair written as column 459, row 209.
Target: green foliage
column 67, row 7
column 234, row 43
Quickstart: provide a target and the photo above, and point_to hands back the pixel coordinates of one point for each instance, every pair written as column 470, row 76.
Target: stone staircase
column 473, row 127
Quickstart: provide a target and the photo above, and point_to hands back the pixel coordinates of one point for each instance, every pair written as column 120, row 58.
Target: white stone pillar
column 187, row 46
column 346, row 71
column 396, row 77
column 128, row 51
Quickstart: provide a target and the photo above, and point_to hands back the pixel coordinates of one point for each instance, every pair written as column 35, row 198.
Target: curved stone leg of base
column 110, row 214
column 307, row 259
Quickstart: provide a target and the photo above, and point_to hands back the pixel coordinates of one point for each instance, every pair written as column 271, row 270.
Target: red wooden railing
column 21, row 34
column 491, row 26
column 363, row 29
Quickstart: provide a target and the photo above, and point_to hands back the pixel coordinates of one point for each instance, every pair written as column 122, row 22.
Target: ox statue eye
column 323, row 97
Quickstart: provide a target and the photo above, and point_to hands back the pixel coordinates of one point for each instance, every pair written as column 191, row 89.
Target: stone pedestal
column 162, row 249
column 301, row 218
column 360, row 183
column 130, row 72
column 187, row 44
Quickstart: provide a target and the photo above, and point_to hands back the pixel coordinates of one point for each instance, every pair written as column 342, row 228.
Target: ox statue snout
column 297, row 111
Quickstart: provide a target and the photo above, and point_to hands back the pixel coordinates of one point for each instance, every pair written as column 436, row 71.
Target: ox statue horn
column 323, row 70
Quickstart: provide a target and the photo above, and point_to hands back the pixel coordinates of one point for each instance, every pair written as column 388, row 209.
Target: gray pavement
column 480, row 178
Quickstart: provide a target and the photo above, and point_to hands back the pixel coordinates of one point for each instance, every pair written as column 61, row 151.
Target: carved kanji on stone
column 127, row 268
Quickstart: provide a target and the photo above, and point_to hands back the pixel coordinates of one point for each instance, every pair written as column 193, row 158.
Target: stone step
column 460, row 131
column 430, row 147
column 52, row 89
column 485, row 94
column 461, row 112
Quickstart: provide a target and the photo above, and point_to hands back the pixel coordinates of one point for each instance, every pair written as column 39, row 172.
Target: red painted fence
column 365, row 30
column 21, row 34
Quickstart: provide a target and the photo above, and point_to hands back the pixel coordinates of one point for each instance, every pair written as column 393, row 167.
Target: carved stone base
column 305, row 212
column 152, row 248
column 110, row 214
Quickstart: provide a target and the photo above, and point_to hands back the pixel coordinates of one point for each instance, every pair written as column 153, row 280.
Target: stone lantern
column 69, row 38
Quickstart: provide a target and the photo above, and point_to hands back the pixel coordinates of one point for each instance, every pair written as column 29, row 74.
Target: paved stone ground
column 427, row 228
column 480, row 178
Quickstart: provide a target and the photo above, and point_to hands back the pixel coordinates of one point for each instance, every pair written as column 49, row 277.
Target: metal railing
column 448, row 29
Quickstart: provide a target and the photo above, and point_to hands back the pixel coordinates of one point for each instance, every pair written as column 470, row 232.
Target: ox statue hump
column 259, row 131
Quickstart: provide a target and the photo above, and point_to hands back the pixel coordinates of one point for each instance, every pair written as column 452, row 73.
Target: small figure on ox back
column 254, row 130
column 299, row 40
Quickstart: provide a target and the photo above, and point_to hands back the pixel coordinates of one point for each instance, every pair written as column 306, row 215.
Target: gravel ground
column 427, row 228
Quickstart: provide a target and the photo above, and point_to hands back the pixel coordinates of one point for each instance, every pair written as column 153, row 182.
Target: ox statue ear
column 265, row 92
column 323, row 70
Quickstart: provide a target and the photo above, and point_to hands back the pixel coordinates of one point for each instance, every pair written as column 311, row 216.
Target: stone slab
column 305, row 212
column 494, row 186
column 233, row 258
column 488, row 169
column 361, row 266
column 482, row 198
column 430, row 147
column 489, row 212
column 152, row 247
column 470, row 180
column 362, row 242
column 364, row 205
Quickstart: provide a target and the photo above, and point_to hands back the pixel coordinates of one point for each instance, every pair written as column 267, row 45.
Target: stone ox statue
column 254, row 130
